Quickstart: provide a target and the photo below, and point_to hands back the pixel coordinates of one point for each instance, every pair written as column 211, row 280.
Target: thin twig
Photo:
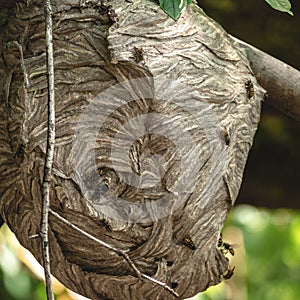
column 49, row 151
column 33, row 236
column 22, row 62
column 163, row 284
column 139, row 274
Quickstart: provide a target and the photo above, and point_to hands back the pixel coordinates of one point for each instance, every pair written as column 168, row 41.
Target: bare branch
column 117, row 251
column 279, row 79
column 164, row 285
column 25, row 73
column 49, row 151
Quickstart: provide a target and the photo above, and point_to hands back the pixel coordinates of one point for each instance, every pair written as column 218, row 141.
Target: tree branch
column 49, row 151
column 279, row 79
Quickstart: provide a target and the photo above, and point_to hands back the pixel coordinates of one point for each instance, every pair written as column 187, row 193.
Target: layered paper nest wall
column 153, row 128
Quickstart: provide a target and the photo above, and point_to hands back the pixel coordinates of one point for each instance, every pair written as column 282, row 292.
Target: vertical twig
column 49, row 151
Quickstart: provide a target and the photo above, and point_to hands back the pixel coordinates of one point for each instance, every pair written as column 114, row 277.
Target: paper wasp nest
column 154, row 122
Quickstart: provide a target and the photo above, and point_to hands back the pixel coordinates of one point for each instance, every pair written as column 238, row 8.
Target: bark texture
column 279, row 79
column 146, row 165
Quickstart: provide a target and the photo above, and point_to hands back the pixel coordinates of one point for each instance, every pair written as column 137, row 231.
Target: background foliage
column 267, row 259
column 267, row 242
column 174, row 7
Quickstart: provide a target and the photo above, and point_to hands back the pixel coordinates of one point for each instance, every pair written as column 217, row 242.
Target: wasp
column 20, row 151
column 138, row 54
column 104, row 171
column 229, row 248
column 169, row 263
column 225, row 247
column 226, row 137
column 113, row 17
column 220, row 242
column 174, row 285
column 1, row 221
column 229, row 273
column 187, row 241
column 107, row 225
column 249, row 88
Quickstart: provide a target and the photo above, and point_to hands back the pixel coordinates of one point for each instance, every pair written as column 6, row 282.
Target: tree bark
column 154, row 122
column 280, row 80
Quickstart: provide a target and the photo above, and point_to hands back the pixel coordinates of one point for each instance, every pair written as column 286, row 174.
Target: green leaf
column 281, row 5
column 173, row 7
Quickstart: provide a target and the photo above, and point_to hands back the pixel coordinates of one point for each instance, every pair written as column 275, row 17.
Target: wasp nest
column 154, row 122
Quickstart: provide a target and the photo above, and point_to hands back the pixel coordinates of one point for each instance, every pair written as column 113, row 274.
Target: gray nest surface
column 154, row 123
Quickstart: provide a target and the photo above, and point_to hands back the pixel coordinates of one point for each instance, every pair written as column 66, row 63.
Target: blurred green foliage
column 273, row 252
column 17, row 282
column 272, row 261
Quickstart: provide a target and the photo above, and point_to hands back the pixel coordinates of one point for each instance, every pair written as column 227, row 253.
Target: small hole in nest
column 170, row 263
column 174, row 285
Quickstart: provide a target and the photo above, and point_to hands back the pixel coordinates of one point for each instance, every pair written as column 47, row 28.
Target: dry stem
column 49, row 151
